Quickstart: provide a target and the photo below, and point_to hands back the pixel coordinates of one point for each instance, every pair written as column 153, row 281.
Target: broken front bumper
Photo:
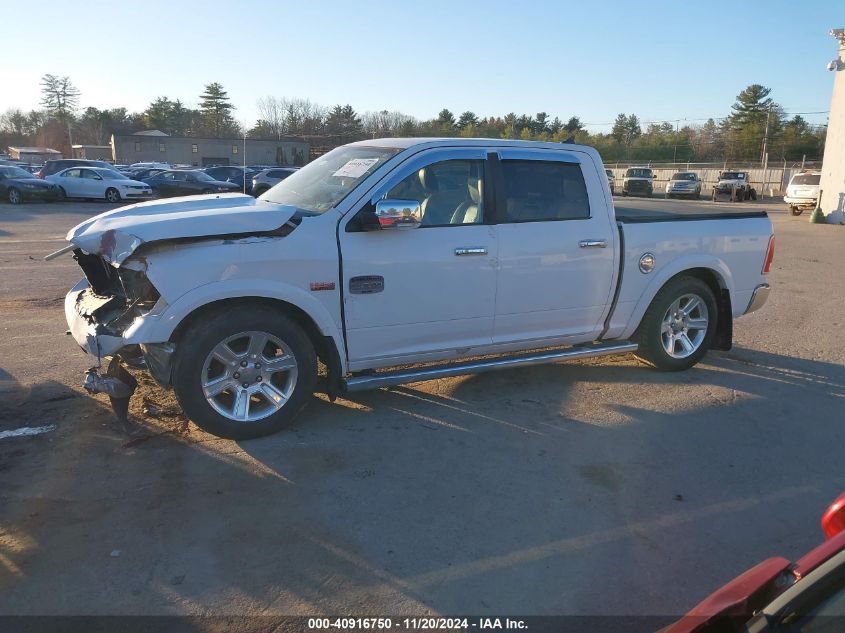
column 127, row 340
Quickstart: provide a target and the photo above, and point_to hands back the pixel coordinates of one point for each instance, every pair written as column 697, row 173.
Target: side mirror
column 398, row 214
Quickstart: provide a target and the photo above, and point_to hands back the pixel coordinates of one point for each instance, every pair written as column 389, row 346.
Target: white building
column 833, row 166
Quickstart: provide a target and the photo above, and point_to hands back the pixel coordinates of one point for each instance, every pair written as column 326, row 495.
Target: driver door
column 424, row 293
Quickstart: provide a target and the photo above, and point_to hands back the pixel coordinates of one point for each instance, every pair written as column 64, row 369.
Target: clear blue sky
column 593, row 59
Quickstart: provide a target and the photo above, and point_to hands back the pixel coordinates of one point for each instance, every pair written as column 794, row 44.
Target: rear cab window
column 537, row 190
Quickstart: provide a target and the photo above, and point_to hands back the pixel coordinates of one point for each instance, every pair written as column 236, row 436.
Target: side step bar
column 387, row 379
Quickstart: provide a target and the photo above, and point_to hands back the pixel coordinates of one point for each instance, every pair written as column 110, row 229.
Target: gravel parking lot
column 595, row 487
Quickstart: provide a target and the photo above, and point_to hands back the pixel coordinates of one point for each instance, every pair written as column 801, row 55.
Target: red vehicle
column 781, row 596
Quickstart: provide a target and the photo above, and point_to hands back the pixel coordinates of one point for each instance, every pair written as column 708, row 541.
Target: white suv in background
column 803, row 191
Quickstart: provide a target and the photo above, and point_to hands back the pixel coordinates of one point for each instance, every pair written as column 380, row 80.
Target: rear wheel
column 678, row 327
column 244, row 372
column 112, row 195
column 14, row 196
column 793, row 210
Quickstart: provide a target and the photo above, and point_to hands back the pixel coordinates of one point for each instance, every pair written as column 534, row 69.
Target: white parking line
column 27, row 430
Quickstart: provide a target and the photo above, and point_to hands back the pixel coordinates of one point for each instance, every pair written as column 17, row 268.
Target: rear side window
column 537, row 191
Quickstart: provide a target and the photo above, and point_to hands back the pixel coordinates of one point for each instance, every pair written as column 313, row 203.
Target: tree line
column 755, row 120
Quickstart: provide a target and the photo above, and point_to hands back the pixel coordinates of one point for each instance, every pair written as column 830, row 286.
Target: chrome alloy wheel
column 684, row 326
column 249, row 376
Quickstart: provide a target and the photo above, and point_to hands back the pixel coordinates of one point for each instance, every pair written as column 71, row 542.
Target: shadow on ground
column 495, row 493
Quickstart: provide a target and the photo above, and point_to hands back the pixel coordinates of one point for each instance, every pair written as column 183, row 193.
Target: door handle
column 476, row 250
column 593, row 243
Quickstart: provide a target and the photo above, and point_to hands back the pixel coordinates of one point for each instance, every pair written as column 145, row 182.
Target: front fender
column 160, row 328
column 664, row 274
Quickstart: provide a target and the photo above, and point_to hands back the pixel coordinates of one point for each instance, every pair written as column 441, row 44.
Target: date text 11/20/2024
column 422, row 624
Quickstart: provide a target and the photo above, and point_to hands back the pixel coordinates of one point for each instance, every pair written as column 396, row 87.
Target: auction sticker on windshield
column 355, row 168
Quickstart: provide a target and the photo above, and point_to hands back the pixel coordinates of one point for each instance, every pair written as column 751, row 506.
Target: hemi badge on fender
column 322, row 285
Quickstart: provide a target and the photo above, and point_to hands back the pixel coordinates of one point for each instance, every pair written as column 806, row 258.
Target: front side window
column 538, row 191
column 90, row 174
column 449, row 192
column 323, row 183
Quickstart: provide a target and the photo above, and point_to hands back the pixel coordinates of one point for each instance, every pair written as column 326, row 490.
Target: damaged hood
column 116, row 234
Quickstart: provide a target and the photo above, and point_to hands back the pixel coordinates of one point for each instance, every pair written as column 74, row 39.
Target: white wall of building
column 833, row 164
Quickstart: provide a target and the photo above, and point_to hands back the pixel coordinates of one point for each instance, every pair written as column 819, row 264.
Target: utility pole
column 766, row 136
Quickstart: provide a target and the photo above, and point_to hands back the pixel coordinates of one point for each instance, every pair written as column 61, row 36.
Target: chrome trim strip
column 758, row 298
column 473, row 250
column 361, row 383
column 593, row 243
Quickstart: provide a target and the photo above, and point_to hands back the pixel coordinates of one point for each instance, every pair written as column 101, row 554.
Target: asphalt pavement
column 584, row 488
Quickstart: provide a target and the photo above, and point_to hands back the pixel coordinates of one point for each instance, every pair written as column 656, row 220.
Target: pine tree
column 216, row 110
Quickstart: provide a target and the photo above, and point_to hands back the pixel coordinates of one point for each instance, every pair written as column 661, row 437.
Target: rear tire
column 793, row 210
column 112, row 195
column 14, row 196
column 678, row 327
column 271, row 401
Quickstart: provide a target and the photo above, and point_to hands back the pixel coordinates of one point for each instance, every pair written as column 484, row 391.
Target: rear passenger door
column 70, row 181
column 557, row 247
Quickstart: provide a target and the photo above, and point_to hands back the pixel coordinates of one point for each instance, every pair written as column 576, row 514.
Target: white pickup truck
column 401, row 260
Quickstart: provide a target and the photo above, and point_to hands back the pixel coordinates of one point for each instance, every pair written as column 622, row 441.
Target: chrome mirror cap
column 398, row 214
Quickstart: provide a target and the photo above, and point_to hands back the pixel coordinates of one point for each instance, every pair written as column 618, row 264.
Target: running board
column 387, row 379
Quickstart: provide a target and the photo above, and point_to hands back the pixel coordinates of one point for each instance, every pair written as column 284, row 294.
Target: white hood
column 116, row 234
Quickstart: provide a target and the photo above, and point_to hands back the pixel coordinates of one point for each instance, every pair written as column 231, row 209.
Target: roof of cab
column 423, row 142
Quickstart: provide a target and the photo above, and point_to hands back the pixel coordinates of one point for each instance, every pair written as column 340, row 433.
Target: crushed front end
column 103, row 312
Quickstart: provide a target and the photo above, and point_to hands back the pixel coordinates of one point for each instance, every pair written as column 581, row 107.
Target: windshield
column 638, row 173
column 806, row 179
column 684, row 176
column 14, row 172
column 323, row 183
column 732, row 175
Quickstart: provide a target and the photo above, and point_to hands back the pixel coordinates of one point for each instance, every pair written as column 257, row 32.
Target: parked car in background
column 233, row 174
column 684, row 183
column 18, row 185
column 803, row 191
column 144, row 172
column 781, row 596
column 54, row 166
column 638, row 181
column 267, row 178
column 186, row 182
column 149, row 165
column 431, row 271
column 735, row 181
column 611, row 180
column 99, row 182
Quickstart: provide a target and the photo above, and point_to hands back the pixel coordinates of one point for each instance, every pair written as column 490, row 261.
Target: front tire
column 112, row 195
column 793, row 210
column 14, row 196
column 678, row 327
column 244, row 372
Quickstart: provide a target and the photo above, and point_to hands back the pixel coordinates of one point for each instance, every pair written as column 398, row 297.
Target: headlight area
column 116, row 295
